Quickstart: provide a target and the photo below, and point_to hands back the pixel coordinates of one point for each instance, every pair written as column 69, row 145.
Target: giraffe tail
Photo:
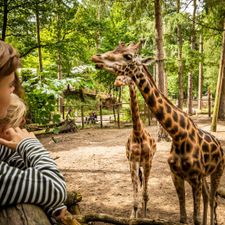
column 140, row 174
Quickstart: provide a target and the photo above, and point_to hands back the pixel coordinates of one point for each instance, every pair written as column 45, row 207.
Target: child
column 15, row 118
column 15, row 115
column 32, row 176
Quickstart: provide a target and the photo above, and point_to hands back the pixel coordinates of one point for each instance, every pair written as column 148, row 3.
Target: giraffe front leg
column 196, row 191
column 179, row 185
column 134, row 177
column 147, row 169
column 205, row 195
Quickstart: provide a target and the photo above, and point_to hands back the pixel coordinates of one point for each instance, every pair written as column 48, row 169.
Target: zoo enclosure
column 118, row 114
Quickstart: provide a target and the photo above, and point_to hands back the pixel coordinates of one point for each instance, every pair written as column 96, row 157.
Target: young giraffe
column 140, row 148
column 195, row 154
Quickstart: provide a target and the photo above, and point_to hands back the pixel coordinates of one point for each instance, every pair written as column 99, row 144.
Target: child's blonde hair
column 15, row 113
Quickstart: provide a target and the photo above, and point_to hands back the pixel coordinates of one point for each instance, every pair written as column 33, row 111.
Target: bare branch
column 30, row 50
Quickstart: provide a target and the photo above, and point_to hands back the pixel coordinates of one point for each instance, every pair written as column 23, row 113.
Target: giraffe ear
column 148, row 61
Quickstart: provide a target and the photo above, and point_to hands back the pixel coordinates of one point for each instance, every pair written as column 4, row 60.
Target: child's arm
column 40, row 183
column 6, row 153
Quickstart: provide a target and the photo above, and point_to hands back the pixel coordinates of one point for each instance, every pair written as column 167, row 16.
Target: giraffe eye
column 128, row 56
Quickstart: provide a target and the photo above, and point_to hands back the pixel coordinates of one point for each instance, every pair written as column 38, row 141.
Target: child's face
column 6, row 88
column 4, row 128
column 3, row 133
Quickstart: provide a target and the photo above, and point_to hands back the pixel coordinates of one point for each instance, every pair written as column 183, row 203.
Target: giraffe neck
column 137, row 123
column 174, row 121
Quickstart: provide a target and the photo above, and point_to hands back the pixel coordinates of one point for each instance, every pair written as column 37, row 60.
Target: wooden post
column 63, row 111
column 114, row 113
column 209, row 102
column 101, row 116
column 118, row 115
column 82, row 116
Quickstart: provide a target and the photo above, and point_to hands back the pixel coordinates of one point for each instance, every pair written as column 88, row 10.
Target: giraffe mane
column 153, row 82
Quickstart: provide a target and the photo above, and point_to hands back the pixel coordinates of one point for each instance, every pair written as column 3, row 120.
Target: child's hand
column 15, row 136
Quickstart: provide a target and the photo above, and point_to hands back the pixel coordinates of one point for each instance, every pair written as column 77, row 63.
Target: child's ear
column 148, row 61
column 23, row 122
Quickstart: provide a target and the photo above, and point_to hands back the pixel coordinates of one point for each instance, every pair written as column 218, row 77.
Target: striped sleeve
column 40, row 183
column 16, row 161
column 11, row 157
column 5, row 153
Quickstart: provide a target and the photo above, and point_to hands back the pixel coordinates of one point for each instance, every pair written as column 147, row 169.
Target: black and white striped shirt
column 29, row 175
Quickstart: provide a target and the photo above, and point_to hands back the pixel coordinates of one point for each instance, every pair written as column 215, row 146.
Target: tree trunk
column 59, row 60
column 180, row 62
column 221, row 114
column 23, row 214
column 38, row 39
column 189, row 98
column 5, row 19
column 190, row 75
column 200, row 76
column 61, row 99
column 219, row 85
column 98, row 32
column 160, row 73
column 209, row 102
column 159, row 47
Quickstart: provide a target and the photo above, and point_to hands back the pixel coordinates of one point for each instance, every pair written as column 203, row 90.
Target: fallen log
column 23, row 214
column 121, row 220
column 64, row 126
column 29, row 214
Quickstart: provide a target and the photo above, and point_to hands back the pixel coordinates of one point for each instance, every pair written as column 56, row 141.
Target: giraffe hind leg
column 146, row 173
column 205, row 195
column 134, row 169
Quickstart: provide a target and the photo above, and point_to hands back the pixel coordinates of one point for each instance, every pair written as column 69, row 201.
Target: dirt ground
column 93, row 162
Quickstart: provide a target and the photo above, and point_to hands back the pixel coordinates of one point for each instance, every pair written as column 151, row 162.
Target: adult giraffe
column 195, row 154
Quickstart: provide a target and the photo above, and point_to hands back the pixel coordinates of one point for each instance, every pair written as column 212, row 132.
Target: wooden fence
column 118, row 115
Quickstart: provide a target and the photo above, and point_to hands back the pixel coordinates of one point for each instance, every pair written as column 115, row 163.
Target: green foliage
column 42, row 94
column 72, row 31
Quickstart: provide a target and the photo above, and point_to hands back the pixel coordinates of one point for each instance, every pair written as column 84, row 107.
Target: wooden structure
column 23, row 214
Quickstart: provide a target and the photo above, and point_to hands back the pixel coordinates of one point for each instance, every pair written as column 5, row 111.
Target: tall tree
column 38, row 36
column 5, row 19
column 219, row 84
column 200, row 74
column 221, row 114
column 160, row 72
column 59, row 54
column 180, row 61
column 193, row 47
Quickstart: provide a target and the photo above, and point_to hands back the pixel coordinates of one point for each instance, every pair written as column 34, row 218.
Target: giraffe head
column 122, row 81
column 123, row 60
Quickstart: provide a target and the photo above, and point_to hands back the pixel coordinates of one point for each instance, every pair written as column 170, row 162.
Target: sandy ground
column 93, row 162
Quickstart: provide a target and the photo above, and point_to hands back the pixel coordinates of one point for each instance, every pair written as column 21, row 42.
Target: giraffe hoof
column 183, row 220
column 197, row 222
column 133, row 214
